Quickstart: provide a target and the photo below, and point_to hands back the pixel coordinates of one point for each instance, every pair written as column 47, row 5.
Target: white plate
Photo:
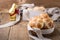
column 11, row 23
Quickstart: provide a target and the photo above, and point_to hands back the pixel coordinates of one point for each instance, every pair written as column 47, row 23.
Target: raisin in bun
column 36, row 22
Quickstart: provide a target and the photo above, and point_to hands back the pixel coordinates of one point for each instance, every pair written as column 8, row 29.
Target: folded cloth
column 28, row 14
column 25, row 15
column 52, row 11
column 55, row 12
column 55, row 16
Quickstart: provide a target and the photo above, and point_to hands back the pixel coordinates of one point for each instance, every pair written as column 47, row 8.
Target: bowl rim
column 43, row 29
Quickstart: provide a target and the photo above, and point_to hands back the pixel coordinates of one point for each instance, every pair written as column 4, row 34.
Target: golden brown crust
column 43, row 22
column 41, row 8
column 36, row 22
column 44, row 15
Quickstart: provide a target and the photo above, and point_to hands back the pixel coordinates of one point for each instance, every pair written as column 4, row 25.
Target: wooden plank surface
column 6, row 4
column 46, row 3
column 19, row 32
column 4, row 18
column 56, row 34
column 4, row 33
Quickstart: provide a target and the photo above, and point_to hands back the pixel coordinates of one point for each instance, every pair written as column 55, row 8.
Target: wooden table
column 19, row 32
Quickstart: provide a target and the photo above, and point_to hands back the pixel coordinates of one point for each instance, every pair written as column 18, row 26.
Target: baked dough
column 36, row 22
column 43, row 21
column 41, row 8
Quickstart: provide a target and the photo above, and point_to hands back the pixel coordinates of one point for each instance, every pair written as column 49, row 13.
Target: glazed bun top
column 43, row 21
